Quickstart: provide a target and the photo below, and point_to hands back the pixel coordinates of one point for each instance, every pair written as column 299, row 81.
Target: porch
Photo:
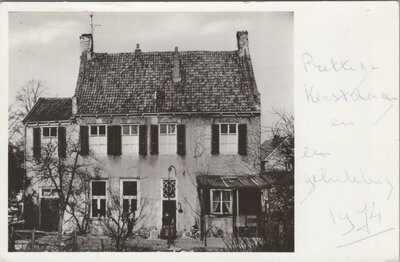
column 231, row 204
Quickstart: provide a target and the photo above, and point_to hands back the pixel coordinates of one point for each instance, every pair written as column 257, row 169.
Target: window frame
column 97, row 136
column 221, row 201
column 236, row 151
column 168, row 135
column 137, row 197
column 98, row 197
column 49, row 137
column 130, row 135
column 45, row 188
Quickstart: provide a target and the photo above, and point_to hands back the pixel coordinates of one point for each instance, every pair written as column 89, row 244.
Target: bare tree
column 26, row 98
column 63, row 173
column 283, row 138
column 117, row 223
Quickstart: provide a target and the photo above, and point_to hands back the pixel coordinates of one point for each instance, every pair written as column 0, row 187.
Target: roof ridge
column 167, row 52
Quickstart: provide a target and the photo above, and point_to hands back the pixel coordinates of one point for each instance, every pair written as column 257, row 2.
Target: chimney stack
column 86, row 41
column 176, row 74
column 243, row 43
column 74, row 105
column 137, row 50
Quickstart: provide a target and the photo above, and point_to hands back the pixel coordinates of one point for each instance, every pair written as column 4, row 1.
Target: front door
column 48, row 209
column 49, row 214
column 168, row 208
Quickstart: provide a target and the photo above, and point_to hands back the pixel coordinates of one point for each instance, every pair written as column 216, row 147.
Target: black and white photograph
column 151, row 132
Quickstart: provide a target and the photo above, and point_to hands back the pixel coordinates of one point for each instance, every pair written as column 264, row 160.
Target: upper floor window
column 98, row 198
column 228, row 139
column 167, row 139
column 49, row 132
column 130, row 139
column 98, row 139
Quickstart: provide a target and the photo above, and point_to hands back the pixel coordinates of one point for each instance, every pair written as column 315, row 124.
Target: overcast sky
column 45, row 46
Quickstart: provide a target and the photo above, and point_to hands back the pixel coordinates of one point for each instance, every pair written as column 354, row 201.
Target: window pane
column 98, row 188
column 46, row 192
column 226, row 207
column 133, row 205
column 125, row 206
column 224, row 129
column 171, row 129
column 216, row 207
column 94, row 208
column 93, row 130
column 232, row 129
column 102, row 130
column 163, row 129
column 216, row 195
column 134, row 130
column 125, row 130
column 226, row 196
column 46, row 131
column 129, row 188
column 102, row 207
column 54, row 131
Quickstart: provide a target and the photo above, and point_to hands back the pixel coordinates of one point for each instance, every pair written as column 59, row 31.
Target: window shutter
column 36, row 142
column 117, row 140
column 110, row 140
column 62, row 142
column 142, row 140
column 242, row 150
column 215, row 139
column 154, row 139
column 84, row 140
column 181, row 140
column 206, row 199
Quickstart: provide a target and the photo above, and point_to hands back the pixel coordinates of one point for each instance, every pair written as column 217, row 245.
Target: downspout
column 24, row 177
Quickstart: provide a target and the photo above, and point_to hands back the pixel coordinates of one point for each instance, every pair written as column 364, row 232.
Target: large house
column 174, row 132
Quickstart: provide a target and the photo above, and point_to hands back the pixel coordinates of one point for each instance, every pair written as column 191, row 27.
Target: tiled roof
column 50, row 109
column 123, row 83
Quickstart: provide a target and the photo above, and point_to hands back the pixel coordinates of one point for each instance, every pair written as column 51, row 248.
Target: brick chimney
column 137, row 50
column 86, row 42
column 243, row 43
column 176, row 73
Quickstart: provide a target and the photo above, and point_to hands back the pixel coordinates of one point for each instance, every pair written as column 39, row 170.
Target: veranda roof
column 231, row 182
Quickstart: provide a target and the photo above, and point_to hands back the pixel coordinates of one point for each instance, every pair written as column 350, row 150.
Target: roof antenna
column 92, row 27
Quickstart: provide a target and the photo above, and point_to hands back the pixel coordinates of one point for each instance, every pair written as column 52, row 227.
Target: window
column 221, row 201
column 130, row 139
column 129, row 195
column 48, row 192
column 49, row 132
column 99, row 196
column 167, row 139
column 228, row 139
column 169, row 189
column 98, row 139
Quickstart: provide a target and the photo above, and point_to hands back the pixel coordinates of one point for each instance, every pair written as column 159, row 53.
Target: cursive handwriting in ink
column 313, row 152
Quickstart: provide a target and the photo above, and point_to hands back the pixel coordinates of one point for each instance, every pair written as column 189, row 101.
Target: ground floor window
column 221, row 201
column 129, row 195
column 99, row 196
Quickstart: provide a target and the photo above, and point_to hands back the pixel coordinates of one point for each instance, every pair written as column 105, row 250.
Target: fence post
column 102, row 245
column 75, row 244
column 11, row 243
column 33, row 239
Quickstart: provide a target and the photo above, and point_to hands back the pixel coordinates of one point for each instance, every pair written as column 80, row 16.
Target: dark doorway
column 49, row 214
column 168, row 221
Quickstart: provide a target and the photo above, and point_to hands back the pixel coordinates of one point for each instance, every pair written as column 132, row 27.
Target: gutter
column 249, row 113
